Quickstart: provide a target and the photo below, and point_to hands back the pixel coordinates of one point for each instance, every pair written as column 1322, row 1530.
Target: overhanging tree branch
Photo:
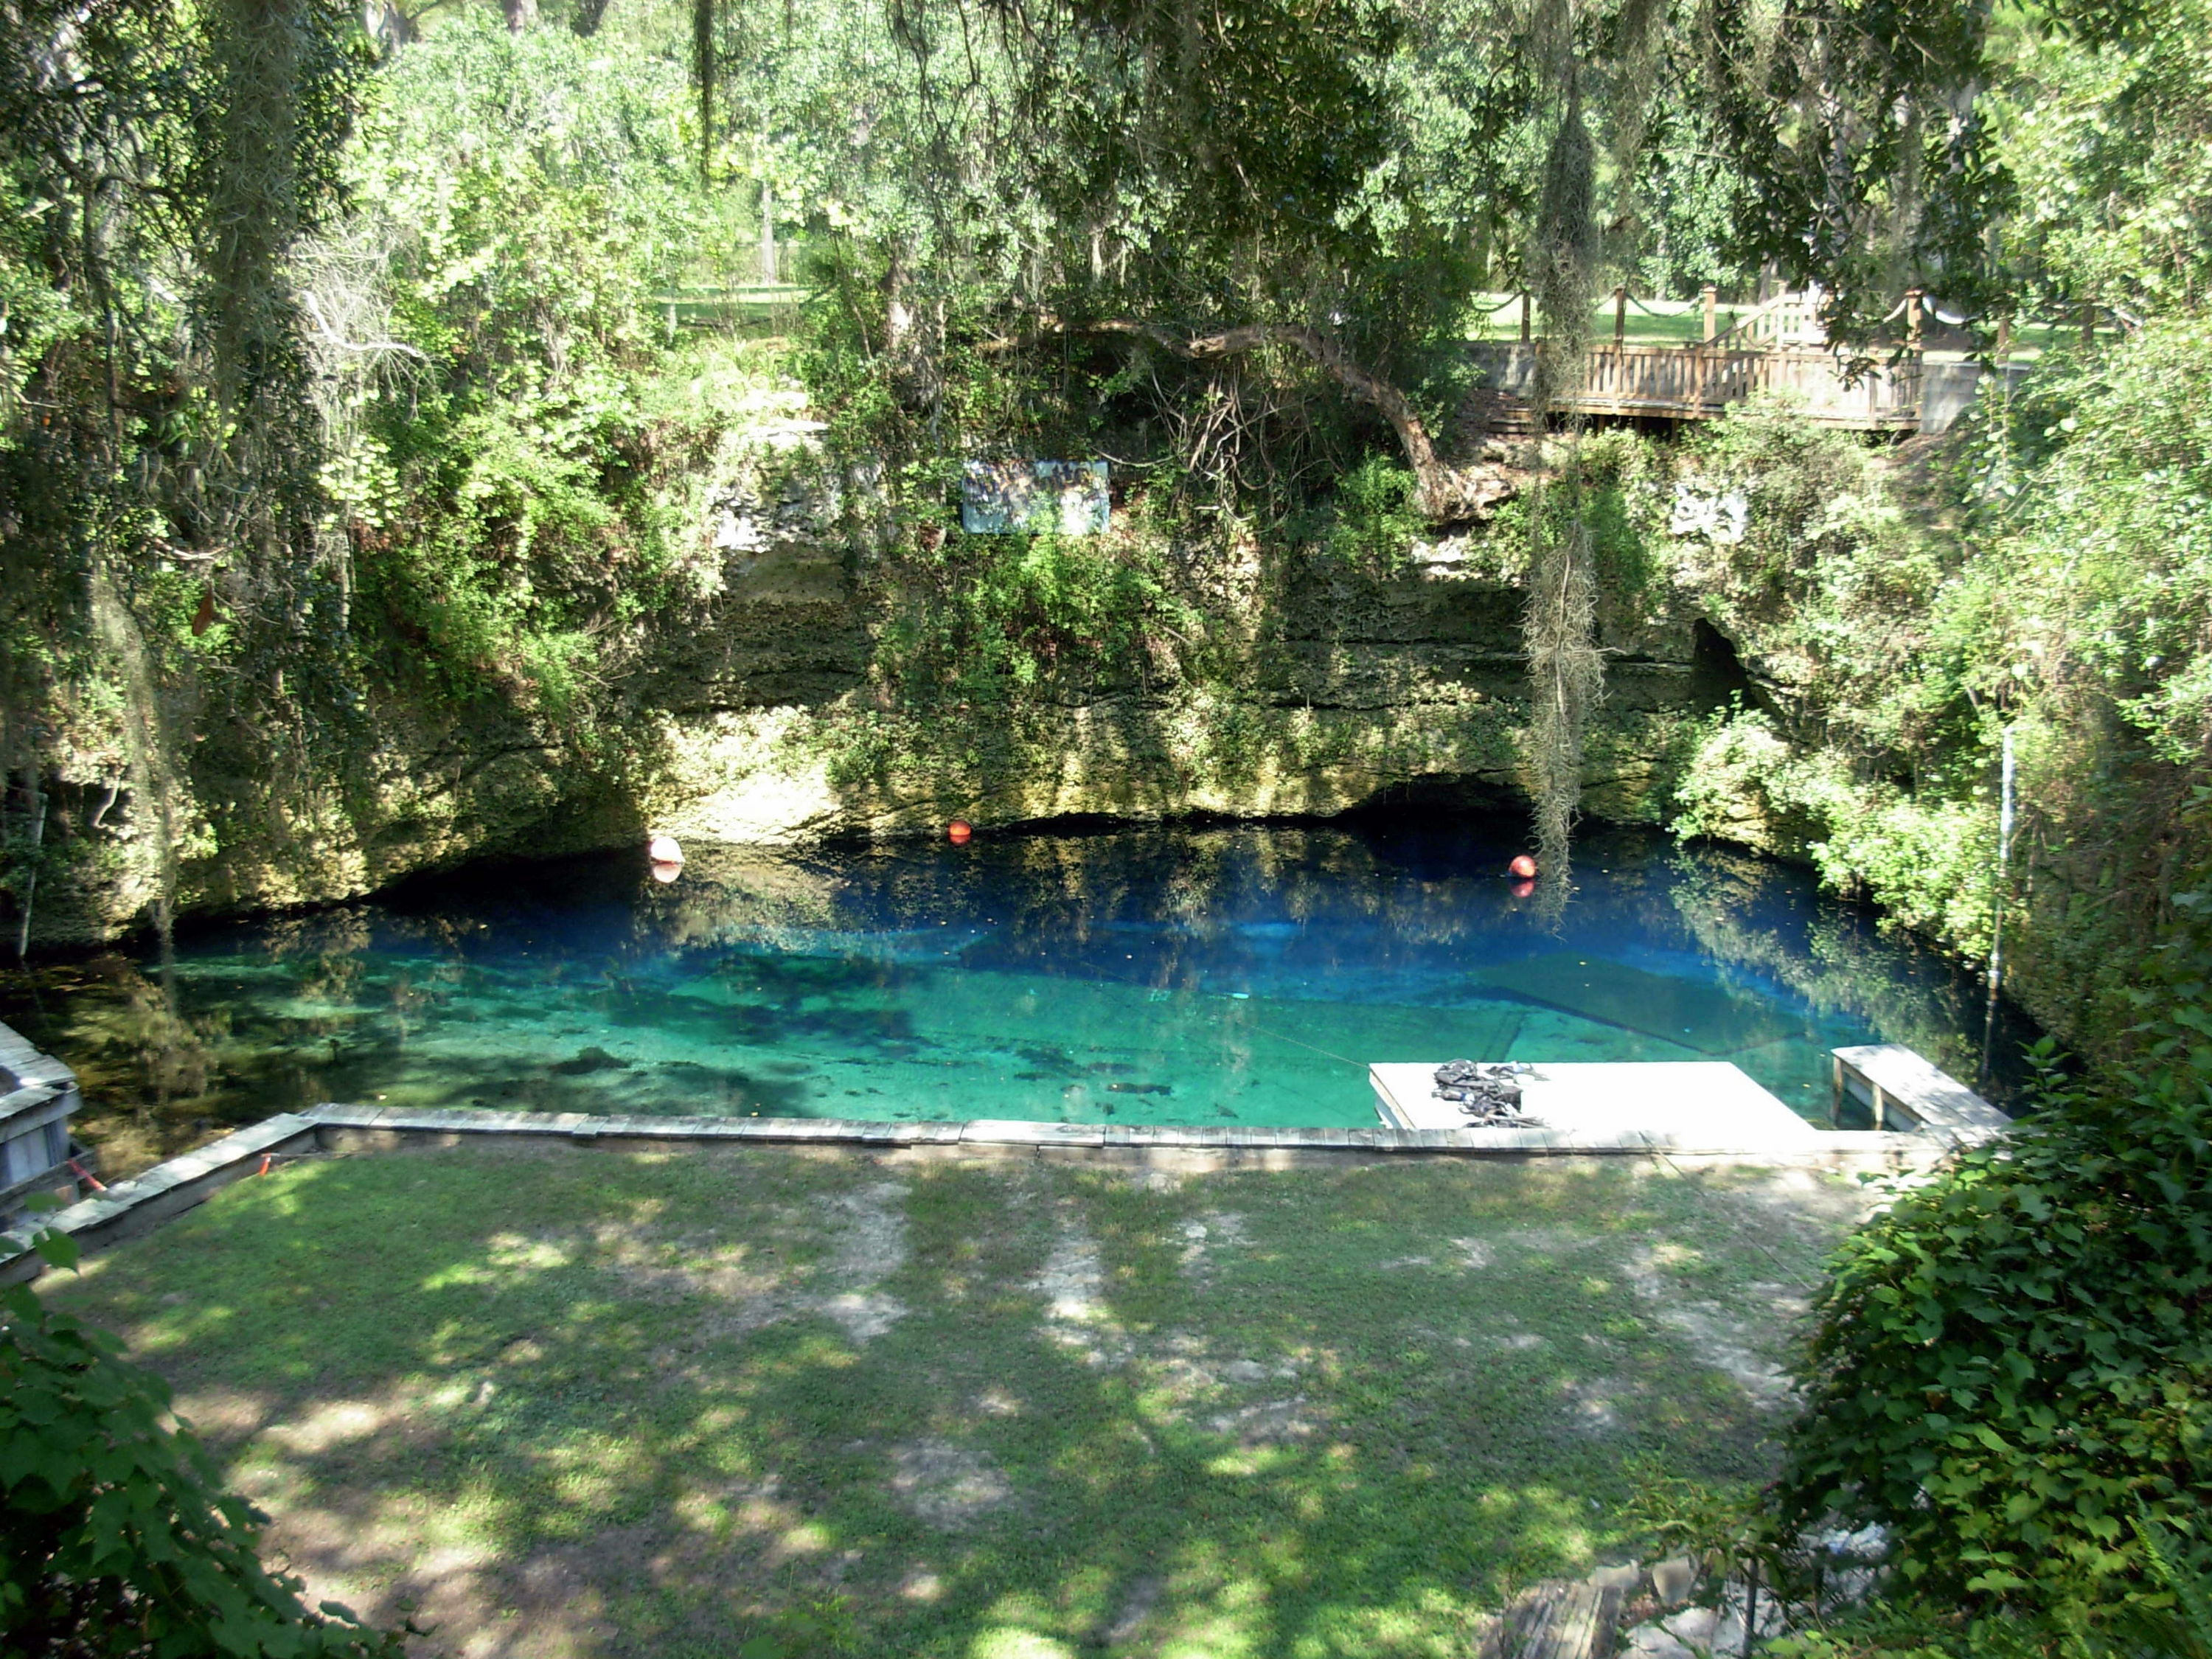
column 1444, row 494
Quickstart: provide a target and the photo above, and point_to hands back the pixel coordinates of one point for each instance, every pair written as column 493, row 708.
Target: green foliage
column 1375, row 522
column 1670, row 1515
column 527, row 197
column 1844, row 125
column 2103, row 131
column 2174, row 1620
column 1927, row 855
column 116, row 1537
column 2013, row 1362
column 1830, row 584
column 2105, row 504
column 992, row 617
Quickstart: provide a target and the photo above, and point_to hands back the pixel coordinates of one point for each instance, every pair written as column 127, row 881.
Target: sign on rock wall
column 999, row 497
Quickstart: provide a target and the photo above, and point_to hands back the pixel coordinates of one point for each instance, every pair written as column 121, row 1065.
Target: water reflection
column 1159, row 974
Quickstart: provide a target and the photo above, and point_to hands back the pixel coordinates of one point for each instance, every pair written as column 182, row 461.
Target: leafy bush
column 116, row 1537
column 2012, row 1366
column 1927, row 856
column 1375, row 522
column 2175, row 1622
column 982, row 616
column 517, row 203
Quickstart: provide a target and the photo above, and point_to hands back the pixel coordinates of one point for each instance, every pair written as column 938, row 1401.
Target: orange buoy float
column 958, row 832
column 1523, row 868
column 662, row 848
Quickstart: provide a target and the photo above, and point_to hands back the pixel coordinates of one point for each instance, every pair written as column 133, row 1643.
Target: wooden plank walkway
column 1558, row 1619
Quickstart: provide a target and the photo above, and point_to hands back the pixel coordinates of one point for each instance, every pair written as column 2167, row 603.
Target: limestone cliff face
column 753, row 708
column 1344, row 690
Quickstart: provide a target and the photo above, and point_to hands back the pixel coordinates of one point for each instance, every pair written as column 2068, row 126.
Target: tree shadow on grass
column 618, row 1404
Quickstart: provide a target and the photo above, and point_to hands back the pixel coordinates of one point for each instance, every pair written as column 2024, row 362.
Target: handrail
column 1744, row 325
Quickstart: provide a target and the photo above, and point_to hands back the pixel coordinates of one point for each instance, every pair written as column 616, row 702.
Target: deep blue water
column 1175, row 974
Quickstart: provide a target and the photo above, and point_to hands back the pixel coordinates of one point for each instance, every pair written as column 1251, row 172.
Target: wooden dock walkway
column 1891, row 1081
column 1777, row 348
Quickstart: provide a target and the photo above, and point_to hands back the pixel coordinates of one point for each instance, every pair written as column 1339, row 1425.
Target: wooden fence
column 1778, row 347
column 1698, row 382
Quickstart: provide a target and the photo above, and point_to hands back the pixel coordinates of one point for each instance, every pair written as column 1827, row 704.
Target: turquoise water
column 1197, row 975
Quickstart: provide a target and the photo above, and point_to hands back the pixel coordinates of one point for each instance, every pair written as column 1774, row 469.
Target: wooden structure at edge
column 1779, row 348
column 38, row 1097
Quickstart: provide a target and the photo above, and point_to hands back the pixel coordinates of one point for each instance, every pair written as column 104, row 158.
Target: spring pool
column 1156, row 975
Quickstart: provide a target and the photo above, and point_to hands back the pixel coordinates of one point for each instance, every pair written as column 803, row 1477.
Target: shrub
column 1376, row 523
column 2011, row 1367
column 116, row 1537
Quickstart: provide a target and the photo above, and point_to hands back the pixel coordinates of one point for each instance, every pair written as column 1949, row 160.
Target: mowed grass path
column 587, row 1403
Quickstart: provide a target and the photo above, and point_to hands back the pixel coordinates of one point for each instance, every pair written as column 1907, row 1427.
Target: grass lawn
column 598, row 1402
column 1651, row 321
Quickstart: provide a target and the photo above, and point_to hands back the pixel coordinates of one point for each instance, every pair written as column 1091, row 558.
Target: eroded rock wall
column 753, row 707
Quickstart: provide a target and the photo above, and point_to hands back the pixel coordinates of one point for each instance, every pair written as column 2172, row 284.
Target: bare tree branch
column 1445, row 493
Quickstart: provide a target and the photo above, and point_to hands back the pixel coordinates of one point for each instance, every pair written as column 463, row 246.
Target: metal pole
column 2005, row 774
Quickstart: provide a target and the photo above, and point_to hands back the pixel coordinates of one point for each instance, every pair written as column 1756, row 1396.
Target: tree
column 116, row 1537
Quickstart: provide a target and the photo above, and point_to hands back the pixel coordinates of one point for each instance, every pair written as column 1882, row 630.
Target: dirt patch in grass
column 607, row 1403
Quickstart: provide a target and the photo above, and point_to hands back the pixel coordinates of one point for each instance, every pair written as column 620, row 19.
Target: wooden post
column 1711, row 297
column 2089, row 325
column 1912, row 319
column 1620, row 316
column 767, row 233
column 1524, row 317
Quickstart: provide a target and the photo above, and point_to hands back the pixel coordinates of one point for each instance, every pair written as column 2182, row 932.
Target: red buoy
column 1524, row 867
column 958, row 831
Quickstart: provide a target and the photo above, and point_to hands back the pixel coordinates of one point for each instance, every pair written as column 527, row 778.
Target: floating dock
column 1696, row 1105
column 1693, row 1105
column 1891, row 1082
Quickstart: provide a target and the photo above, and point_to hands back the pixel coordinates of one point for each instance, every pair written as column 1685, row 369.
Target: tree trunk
column 587, row 17
column 766, row 232
column 520, row 15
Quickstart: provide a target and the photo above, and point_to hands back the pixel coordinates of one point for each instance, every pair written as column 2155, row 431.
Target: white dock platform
column 1688, row 1106
column 1892, row 1082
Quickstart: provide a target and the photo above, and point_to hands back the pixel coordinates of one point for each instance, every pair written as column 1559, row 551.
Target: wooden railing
column 1699, row 382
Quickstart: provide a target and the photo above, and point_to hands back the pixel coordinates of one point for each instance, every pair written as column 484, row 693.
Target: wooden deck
column 1777, row 347
column 1700, row 382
